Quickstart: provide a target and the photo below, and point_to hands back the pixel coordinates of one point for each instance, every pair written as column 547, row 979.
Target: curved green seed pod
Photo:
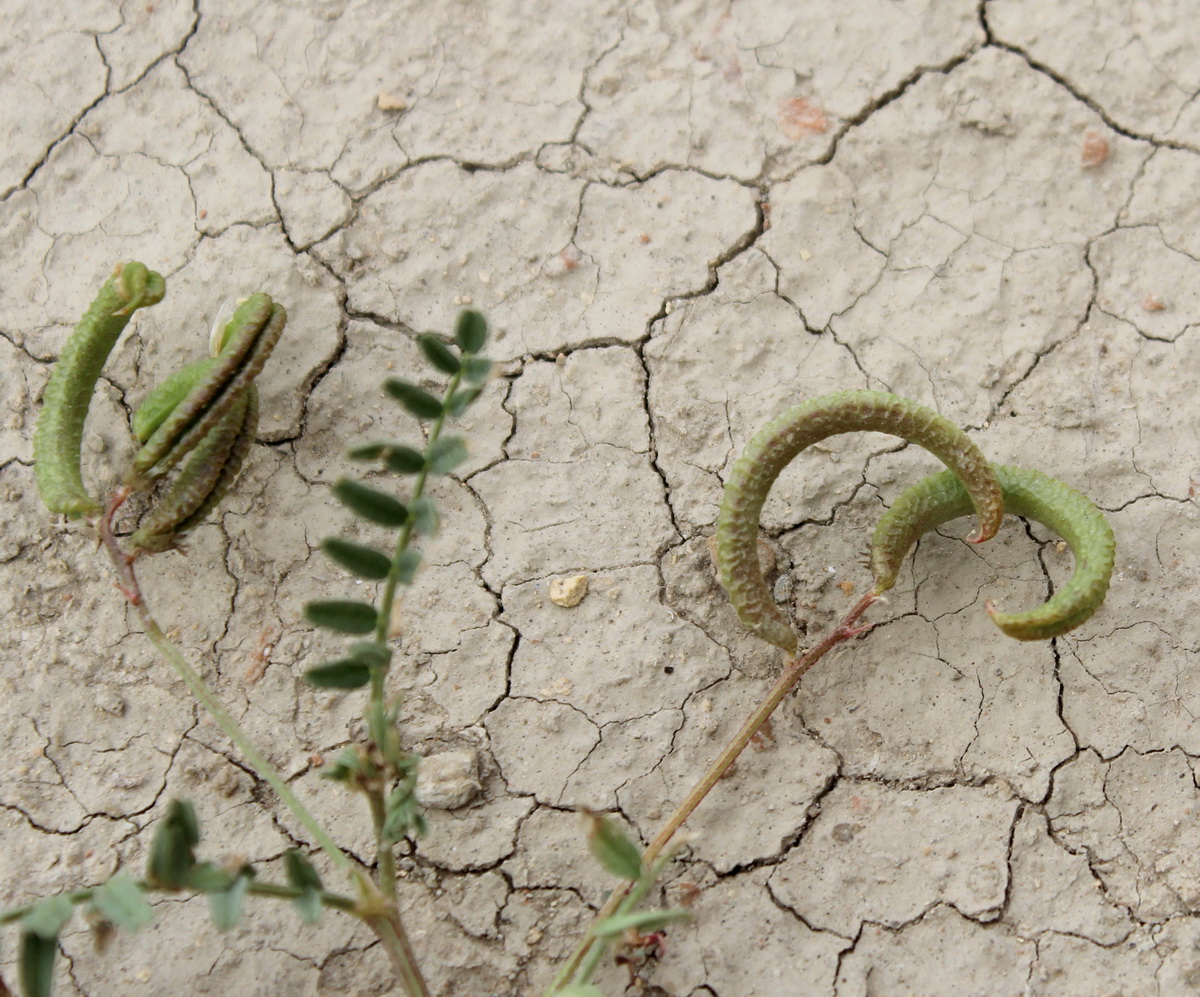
column 941, row 498
column 162, row 401
column 774, row 447
column 247, row 343
column 205, row 477
column 58, row 438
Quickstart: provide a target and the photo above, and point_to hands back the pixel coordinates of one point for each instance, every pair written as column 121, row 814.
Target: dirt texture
column 679, row 218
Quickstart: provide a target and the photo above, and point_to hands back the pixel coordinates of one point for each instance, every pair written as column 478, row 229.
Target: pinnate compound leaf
column 417, row 401
column 365, row 562
column 377, row 506
column 438, row 353
column 37, row 964
column 121, row 901
column 612, row 847
column 470, row 331
column 447, row 453
column 346, row 673
column 342, row 615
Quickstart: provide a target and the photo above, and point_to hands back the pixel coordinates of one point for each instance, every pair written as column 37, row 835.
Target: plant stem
column 390, row 931
column 376, row 708
column 129, row 586
column 387, row 926
column 585, row 957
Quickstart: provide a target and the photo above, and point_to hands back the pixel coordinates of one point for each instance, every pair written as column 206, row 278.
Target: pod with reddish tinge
column 775, row 446
column 942, row 497
column 58, row 438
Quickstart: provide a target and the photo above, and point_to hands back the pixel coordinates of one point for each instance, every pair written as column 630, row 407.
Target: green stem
column 130, row 588
column 390, row 934
column 384, row 849
column 390, row 931
column 376, row 708
column 583, row 960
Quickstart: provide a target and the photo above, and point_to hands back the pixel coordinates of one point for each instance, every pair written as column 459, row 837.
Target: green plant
column 195, row 430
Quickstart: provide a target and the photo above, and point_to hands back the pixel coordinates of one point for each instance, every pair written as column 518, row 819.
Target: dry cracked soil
column 679, row 218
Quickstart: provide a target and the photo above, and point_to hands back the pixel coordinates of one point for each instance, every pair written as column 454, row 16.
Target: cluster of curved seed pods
column 970, row 483
column 202, row 419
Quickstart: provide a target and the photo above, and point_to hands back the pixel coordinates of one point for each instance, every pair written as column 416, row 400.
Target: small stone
column 390, row 102
column 1095, row 149
column 568, row 592
column 448, row 780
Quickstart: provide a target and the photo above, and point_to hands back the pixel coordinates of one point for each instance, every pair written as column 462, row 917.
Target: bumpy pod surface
column 778, row 443
column 207, row 474
column 164, row 399
column 245, row 346
column 58, row 438
column 942, row 497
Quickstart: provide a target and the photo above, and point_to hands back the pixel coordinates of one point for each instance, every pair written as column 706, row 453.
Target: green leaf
column 343, row 615
column 368, row 451
column 300, row 871
column 446, row 454
column 309, row 905
column 346, row 673
column 171, row 852
column 226, row 905
column 47, row 917
column 37, row 964
column 406, row 566
column 616, row 852
column 182, row 814
column 302, row 875
column 470, row 331
column 641, row 920
column 365, row 562
column 208, row 877
column 425, row 516
column 370, row 653
column 579, row 990
column 376, row 506
column 402, row 814
column 348, row 764
column 460, row 400
column 121, row 901
column 417, row 401
column 438, row 353
column 476, row 369
column 404, row 460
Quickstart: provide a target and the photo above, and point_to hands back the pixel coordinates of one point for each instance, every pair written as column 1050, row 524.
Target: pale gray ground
column 680, row 218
